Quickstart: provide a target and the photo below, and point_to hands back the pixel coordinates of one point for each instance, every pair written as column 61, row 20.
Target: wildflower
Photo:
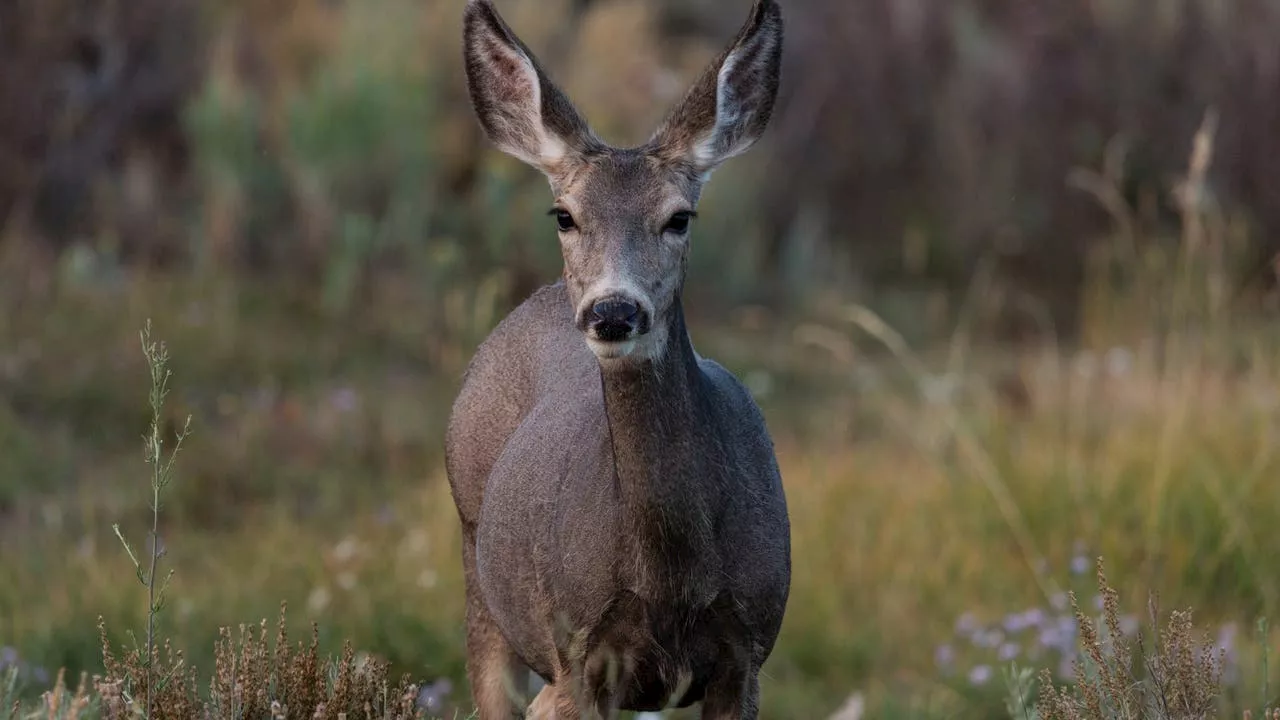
column 1008, row 651
column 1079, row 565
column 1059, row 635
column 987, row 638
column 344, row 400
column 1050, row 638
column 1226, row 644
column 980, row 674
column 967, row 624
column 1227, row 638
column 1014, row 623
column 944, row 656
column 432, row 697
column 1017, row 622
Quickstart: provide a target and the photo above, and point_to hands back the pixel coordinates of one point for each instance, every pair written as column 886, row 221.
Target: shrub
column 1177, row 675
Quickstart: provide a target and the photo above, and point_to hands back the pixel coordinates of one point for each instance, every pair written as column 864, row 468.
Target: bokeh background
column 1002, row 274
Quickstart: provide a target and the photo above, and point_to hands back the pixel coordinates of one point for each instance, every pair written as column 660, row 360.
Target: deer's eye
column 679, row 223
column 564, row 220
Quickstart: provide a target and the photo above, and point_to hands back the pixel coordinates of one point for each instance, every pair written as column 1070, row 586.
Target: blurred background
column 1003, row 276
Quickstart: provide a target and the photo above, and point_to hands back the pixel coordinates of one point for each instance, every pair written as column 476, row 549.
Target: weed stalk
column 161, row 475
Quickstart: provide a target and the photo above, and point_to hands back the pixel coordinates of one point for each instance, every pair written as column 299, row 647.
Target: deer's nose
column 614, row 319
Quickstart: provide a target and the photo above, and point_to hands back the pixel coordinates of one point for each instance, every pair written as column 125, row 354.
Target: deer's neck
column 658, row 428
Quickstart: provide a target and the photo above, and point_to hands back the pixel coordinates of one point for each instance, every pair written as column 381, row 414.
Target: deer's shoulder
column 728, row 394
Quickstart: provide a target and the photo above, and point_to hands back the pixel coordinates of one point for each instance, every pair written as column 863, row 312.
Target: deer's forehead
column 628, row 183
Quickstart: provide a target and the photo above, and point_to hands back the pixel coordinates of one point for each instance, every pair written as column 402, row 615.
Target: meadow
column 951, row 487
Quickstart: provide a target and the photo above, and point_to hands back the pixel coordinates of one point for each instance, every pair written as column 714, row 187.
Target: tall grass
column 934, row 493
column 940, row 491
column 251, row 678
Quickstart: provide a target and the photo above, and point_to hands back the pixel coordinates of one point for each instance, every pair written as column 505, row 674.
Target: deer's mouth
column 611, row 349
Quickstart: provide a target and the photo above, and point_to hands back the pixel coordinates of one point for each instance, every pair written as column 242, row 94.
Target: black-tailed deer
column 625, row 531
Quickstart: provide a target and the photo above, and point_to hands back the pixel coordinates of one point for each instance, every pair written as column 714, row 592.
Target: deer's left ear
column 729, row 106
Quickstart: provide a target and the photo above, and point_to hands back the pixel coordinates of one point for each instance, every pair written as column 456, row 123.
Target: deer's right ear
column 521, row 110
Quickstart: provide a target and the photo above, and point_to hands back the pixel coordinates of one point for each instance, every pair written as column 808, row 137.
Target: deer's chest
column 556, row 547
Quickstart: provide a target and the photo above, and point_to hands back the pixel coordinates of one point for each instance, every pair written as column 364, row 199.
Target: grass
column 945, row 494
column 920, row 492
column 251, row 678
column 898, row 533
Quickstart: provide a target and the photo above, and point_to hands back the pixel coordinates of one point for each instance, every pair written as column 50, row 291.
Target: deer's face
column 623, row 215
column 623, row 218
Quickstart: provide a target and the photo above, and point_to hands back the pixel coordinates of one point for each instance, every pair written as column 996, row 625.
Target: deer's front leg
column 733, row 694
column 494, row 673
column 555, row 702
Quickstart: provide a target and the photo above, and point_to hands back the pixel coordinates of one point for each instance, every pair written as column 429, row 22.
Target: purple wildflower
column 988, row 638
column 1050, row 638
column 1227, row 638
column 966, row 624
column 980, row 674
column 344, row 400
column 432, row 697
column 944, row 656
column 1227, row 645
column 1079, row 565
column 1017, row 622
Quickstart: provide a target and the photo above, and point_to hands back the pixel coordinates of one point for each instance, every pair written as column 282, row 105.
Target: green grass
column 315, row 478
column 932, row 482
column 958, row 480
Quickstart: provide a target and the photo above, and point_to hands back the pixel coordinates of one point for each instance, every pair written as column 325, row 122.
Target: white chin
column 611, row 350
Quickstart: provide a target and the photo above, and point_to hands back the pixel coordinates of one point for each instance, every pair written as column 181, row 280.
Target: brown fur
column 624, row 524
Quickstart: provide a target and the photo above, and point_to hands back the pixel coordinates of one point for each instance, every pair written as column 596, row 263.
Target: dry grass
column 927, row 481
column 893, row 491
column 254, row 679
column 1179, row 676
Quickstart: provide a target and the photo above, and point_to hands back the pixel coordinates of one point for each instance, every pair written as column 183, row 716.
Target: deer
column 625, row 534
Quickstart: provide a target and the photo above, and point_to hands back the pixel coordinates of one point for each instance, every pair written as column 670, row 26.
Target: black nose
column 614, row 319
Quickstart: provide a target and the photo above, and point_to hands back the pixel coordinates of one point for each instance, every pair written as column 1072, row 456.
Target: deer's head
column 623, row 214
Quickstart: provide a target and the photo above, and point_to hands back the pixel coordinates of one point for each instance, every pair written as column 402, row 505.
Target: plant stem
column 151, row 589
